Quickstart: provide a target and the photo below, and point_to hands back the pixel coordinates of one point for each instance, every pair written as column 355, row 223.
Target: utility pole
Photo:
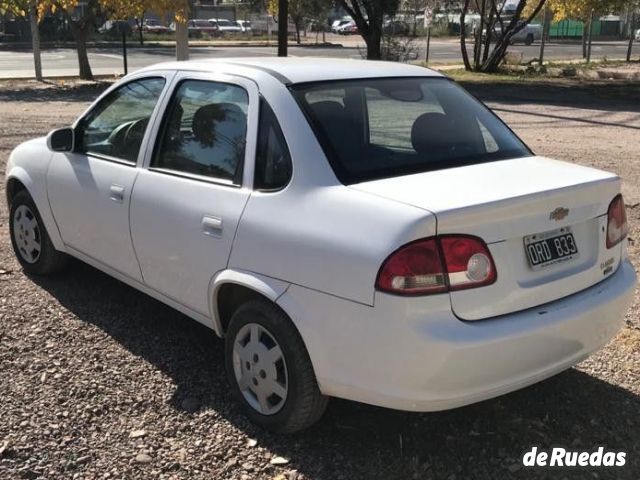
column 124, row 48
column 283, row 27
column 632, row 18
column 589, row 37
column 428, row 43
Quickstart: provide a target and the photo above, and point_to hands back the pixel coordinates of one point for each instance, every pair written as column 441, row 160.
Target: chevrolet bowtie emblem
column 558, row 214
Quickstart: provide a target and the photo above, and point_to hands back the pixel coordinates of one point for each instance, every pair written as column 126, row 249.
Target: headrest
column 207, row 118
column 327, row 109
column 433, row 131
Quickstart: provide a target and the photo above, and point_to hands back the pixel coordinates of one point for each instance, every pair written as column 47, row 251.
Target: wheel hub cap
column 27, row 234
column 260, row 369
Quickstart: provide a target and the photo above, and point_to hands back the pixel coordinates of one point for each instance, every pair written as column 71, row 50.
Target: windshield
column 377, row 128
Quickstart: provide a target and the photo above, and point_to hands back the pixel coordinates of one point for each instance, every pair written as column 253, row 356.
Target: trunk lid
column 505, row 201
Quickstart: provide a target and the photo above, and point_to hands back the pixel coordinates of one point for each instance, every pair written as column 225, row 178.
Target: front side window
column 116, row 126
column 377, row 128
column 204, row 131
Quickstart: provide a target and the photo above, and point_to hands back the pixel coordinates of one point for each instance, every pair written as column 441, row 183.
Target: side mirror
column 61, row 140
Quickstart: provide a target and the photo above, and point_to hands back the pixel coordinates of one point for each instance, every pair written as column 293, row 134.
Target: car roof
column 303, row 69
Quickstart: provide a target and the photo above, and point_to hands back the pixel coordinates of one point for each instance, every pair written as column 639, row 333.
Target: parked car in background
column 154, row 26
column 263, row 24
column 348, row 29
column 199, row 28
column 395, row 27
column 638, row 34
column 530, row 33
column 225, row 26
column 245, row 25
column 318, row 26
column 116, row 27
column 335, row 26
column 363, row 230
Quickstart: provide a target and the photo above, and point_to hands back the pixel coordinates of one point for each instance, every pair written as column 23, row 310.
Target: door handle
column 116, row 193
column 212, row 226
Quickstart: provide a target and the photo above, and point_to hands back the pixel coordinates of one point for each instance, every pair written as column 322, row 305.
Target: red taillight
column 617, row 228
column 437, row 265
column 469, row 263
column 415, row 269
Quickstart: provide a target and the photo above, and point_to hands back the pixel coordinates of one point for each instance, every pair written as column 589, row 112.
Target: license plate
column 549, row 248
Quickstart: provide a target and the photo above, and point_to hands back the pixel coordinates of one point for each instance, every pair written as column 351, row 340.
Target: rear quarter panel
column 332, row 239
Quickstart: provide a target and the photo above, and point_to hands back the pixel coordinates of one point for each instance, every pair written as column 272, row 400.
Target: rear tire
column 529, row 39
column 280, row 395
column 30, row 240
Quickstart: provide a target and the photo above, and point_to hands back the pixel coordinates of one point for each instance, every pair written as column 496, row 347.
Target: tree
column 81, row 21
column 178, row 9
column 633, row 9
column 582, row 10
column 21, row 8
column 487, row 56
column 302, row 10
column 369, row 15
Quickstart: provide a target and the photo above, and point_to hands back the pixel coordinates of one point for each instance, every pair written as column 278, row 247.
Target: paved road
column 108, row 61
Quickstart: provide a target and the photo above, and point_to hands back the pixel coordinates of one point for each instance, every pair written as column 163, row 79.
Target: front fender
column 28, row 164
column 269, row 287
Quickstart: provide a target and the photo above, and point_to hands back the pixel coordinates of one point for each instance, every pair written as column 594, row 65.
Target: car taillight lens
column 415, row 269
column 468, row 262
column 437, row 265
column 617, row 228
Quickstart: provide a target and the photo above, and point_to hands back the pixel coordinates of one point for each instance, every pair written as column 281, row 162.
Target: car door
column 188, row 199
column 90, row 188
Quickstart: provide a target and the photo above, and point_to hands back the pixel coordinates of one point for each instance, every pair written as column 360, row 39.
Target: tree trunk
column 477, row 52
column 631, row 37
column 80, row 33
column 35, row 41
column 298, row 32
column 139, row 23
column 463, row 34
column 283, row 27
column 182, row 41
column 373, row 40
column 497, row 55
column 487, row 41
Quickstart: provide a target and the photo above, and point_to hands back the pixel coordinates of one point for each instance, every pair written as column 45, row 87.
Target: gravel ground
column 100, row 381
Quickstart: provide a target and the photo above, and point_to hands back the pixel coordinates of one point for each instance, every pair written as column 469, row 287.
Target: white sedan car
column 363, row 230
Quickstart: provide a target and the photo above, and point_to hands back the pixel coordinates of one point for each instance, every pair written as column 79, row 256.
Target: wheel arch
column 231, row 288
column 14, row 185
column 17, row 180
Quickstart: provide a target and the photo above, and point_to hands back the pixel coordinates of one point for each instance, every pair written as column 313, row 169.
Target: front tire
column 269, row 369
column 30, row 240
column 529, row 40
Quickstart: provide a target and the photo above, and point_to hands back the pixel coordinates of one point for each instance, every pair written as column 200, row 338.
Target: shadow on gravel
column 354, row 441
column 31, row 91
column 609, row 96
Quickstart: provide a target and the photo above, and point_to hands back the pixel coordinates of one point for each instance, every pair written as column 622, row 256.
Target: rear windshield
column 377, row 128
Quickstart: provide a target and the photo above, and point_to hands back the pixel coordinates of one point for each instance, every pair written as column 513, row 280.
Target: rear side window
column 386, row 127
column 273, row 162
column 204, row 131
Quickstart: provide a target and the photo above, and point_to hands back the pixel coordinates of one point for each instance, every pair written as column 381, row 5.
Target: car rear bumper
column 413, row 354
